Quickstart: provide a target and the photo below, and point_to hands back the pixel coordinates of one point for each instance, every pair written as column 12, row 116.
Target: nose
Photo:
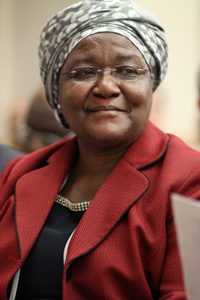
column 106, row 86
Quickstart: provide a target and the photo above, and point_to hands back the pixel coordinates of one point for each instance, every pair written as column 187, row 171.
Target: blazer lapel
column 121, row 190
column 36, row 193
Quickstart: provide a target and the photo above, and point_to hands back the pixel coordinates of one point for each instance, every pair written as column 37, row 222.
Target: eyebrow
column 128, row 58
column 84, row 60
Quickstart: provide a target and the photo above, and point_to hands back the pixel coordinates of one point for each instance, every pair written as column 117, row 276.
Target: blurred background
column 175, row 107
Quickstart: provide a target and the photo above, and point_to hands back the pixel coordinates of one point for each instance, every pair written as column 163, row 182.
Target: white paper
column 187, row 222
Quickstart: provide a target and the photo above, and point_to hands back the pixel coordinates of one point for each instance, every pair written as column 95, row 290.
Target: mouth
column 102, row 108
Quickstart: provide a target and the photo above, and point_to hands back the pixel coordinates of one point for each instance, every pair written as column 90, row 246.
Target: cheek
column 140, row 98
column 72, row 97
column 140, row 101
column 139, row 91
column 69, row 96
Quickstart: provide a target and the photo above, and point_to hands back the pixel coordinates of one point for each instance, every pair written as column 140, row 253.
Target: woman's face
column 108, row 111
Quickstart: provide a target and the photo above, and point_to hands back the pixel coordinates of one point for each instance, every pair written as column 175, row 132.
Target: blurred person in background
column 33, row 124
column 90, row 217
column 6, row 154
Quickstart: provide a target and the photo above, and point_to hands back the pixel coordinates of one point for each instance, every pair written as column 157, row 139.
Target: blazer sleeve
column 171, row 280
column 172, row 276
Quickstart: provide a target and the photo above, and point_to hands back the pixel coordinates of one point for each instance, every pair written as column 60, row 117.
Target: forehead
column 105, row 48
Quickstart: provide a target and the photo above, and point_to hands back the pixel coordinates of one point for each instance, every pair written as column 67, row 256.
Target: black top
column 41, row 274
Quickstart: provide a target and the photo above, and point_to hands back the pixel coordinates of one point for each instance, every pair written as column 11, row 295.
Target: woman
column 109, row 234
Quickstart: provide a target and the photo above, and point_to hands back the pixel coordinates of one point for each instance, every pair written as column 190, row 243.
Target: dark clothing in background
column 6, row 154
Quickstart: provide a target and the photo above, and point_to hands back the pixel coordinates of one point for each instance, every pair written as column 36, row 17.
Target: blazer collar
column 149, row 147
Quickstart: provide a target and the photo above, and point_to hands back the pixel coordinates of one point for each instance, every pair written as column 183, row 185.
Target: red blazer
column 124, row 246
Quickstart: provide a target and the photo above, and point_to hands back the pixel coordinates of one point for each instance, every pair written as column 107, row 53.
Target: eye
column 126, row 70
column 83, row 73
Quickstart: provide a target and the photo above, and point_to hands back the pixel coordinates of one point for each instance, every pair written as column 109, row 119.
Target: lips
column 104, row 108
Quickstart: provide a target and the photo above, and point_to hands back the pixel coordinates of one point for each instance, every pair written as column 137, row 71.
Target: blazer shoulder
column 178, row 148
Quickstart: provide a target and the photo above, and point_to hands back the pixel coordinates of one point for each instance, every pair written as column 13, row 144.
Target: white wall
column 21, row 22
column 180, row 20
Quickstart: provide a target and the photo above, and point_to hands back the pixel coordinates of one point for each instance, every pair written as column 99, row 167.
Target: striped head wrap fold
column 76, row 22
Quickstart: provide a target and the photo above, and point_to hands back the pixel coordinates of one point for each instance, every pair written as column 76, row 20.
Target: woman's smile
column 102, row 108
column 105, row 114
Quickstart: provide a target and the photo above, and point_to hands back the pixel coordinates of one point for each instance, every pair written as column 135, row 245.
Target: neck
column 92, row 167
column 98, row 161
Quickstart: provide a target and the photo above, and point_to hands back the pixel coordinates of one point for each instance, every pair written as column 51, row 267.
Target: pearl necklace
column 81, row 206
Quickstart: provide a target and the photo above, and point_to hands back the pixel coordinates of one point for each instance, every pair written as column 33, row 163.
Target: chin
column 110, row 139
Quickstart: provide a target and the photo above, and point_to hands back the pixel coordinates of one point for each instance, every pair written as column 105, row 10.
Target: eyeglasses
column 90, row 74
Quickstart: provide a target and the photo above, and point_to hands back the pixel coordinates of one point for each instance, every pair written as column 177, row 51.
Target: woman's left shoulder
column 178, row 148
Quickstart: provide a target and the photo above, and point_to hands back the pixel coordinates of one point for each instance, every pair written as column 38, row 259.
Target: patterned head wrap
column 68, row 27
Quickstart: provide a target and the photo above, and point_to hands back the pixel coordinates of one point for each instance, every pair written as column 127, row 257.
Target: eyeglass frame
column 99, row 72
